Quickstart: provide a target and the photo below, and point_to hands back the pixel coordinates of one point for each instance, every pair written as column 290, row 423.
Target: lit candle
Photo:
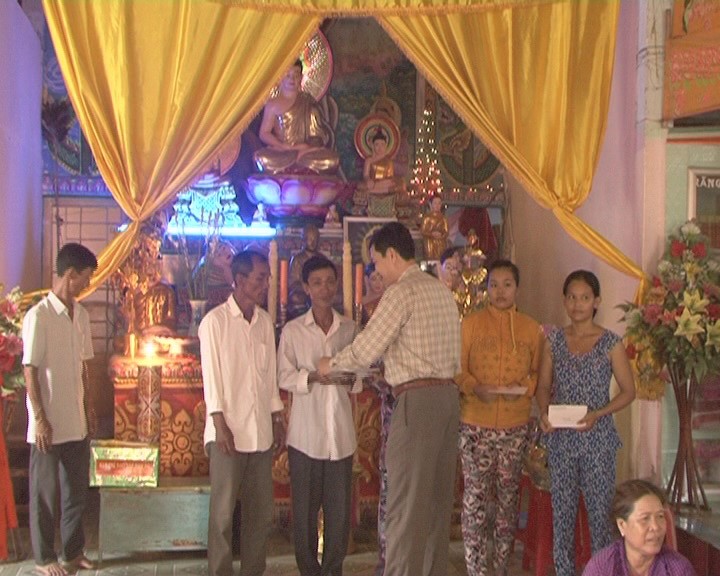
column 283, row 281
column 358, row 284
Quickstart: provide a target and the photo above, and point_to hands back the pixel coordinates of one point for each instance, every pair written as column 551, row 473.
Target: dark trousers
column 249, row 476
column 66, row 466
column 315, row 484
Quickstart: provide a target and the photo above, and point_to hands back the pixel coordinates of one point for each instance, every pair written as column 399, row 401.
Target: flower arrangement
column 678, row 323
column 11, row 345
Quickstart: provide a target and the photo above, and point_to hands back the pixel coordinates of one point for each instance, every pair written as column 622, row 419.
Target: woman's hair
column 506, row 265
column 628, row 493
column 584, row 276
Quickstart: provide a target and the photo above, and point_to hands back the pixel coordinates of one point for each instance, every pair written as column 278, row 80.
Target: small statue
column 155, row 310
column 213, row 273
column 260, row 214
column 297, row 298
column 379, row 167
column 434, row 230
column 294, row 131
column 332, row 218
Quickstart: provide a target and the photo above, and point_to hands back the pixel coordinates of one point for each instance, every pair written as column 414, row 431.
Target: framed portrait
column 704, row 202
column 358, row 230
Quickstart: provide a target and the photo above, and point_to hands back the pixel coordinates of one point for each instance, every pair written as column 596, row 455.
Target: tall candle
column 358, row 284
column 283, row 281
column 347, row 280
column 273, row 288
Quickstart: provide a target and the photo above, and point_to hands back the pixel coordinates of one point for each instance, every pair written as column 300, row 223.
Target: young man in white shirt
column 244, row 423
column 56, row 344
column 321, row 435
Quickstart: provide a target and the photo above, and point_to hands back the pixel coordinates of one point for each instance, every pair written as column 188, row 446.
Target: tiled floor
column 281, row 561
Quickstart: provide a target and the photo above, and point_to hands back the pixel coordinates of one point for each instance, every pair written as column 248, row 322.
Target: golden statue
column 379, row 167
column 294, row 131
column 377, row 139
column 434, row 230
column 155, row 311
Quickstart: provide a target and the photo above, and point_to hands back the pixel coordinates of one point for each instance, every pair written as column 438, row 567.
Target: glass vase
column 197, row 311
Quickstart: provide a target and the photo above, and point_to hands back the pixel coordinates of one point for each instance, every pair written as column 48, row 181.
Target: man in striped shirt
column 416, row 330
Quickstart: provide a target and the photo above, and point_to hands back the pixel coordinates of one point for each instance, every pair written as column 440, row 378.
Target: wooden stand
column 685, row 477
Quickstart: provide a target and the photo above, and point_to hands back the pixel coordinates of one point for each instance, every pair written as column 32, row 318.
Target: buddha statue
column 214, row 273
column 155, row 310
column 379, row 187
column 434, row 230
column 296, row 136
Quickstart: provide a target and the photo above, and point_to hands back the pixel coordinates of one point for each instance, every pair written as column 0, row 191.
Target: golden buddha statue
column 155, row 310
column 294, row 131
column 434, row 230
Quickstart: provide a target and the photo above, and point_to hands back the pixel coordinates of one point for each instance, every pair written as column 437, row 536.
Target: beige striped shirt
column 415, row 329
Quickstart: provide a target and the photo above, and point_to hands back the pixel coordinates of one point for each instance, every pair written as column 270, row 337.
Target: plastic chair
column 538, row 535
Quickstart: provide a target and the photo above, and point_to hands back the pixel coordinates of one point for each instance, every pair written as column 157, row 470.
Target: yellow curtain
column 160, row 87
column 533, row 82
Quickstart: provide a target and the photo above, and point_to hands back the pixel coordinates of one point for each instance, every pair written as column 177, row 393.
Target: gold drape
column 533, row 83
column 160, row 87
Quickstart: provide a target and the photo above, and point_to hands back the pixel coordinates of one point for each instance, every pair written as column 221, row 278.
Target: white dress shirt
column 321, row 420
column 57, row 346
column 239, row 374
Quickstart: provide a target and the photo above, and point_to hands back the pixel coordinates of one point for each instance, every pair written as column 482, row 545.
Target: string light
column 426, row 180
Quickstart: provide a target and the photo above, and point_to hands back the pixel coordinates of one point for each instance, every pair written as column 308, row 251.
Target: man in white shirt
column 321, row 435
column 56, row 344
column 244, row 420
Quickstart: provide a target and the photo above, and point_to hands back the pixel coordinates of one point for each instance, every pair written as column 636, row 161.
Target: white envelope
column 566, row 415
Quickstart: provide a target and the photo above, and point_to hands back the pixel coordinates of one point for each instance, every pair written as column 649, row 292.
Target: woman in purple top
column 638, row 509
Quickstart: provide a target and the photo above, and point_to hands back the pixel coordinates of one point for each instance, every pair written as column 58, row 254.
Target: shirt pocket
column 262, row 356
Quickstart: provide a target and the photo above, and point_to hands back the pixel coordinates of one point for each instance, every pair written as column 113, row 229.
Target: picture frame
column 357, row 230
column 704, row 202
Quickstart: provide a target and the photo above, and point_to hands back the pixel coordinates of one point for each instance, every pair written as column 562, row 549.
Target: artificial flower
column 11, row 348
column 678, row 322
column 689, row 325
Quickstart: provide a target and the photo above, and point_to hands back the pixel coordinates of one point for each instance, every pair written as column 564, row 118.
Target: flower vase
column 197, row 311
column 685, row 487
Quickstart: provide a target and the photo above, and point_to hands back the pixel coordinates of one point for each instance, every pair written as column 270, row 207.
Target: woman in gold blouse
column 501, row 351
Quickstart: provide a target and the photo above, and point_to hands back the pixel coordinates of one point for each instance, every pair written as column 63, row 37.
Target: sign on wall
column 704, row 201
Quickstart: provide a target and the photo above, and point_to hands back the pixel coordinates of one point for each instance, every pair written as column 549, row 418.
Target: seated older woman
column 638, row 509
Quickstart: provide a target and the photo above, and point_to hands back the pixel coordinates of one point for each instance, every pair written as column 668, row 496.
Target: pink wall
column 545, row 253
column 20, row 150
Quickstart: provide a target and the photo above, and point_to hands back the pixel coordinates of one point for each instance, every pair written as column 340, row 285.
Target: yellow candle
column 358, row 284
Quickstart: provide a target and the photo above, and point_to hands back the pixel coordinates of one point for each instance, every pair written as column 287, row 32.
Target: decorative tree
column 426, row 181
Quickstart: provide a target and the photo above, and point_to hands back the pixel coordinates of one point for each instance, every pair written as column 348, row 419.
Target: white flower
column 689, row 229
column 664, row 267
column 634, row 318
